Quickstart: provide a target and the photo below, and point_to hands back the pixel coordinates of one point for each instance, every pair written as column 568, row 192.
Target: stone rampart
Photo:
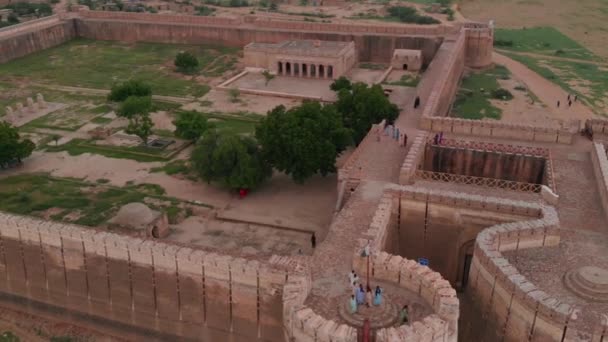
column 444, row 87
column 160, row 18
column 26, row 38
column 118, row 280
column 413, row 159
column 479, row 47
column 600, row 170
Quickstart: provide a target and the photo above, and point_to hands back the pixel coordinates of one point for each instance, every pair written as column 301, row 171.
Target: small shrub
column 103, row 181
column 173, row 214
column 559, row 52
column 503, row 42
column 502, row 94
column 186, row 62
column 520, row 88
column 121, row 91
column 234, row 95
column 408, row 14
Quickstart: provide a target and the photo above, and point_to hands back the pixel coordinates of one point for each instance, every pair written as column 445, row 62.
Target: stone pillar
column 40, row 101
column 19, row 107
column 30, row 105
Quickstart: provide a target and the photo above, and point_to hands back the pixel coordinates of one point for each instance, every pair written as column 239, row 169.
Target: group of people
column 362, row 296
column 438, row 139
column 569, row 99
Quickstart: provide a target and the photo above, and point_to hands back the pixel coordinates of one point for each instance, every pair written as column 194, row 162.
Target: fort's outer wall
column 17, row 45
column 370, row 47
column 132, row 287
column 479, row 47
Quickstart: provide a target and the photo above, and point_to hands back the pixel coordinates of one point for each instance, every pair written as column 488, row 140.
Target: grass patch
column 238, row 123
column 31, row 194
column 566, row 73
column 99, row 64
column 67, row 119
column 541, row 40
column 473, row 98
column 405, row 81
column 139, row 153
column 174, row 167
column 372, row 66
column 101, row 120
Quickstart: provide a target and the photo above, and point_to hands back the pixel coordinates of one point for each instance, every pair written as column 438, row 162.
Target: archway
column 404, row 66
column 287, row 68
column 330, row 71
column 296, row 69
column 465, row 258
column 304, row 70
column 321, row 71
column 280, row 68
column 155, row 233
column 313, row 70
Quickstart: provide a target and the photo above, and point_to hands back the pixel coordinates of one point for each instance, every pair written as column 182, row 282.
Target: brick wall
column 142, row 283
column 23, row 39
column 600, row 170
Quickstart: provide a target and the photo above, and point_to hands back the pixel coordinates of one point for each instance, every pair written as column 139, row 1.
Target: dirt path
column 556, row 58
column 548, row 92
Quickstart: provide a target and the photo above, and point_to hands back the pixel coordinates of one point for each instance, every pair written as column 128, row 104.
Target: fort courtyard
column 463, row 171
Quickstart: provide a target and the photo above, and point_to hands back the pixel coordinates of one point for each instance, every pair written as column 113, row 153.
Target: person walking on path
column 353, row 304
column 378, row 296
column 313, row 241
column 569, row 103
column 557, row 103
column 568, row 97
column 403, row 315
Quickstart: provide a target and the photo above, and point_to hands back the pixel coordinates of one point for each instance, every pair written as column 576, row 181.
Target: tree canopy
column 12, row 147
column 341, row 83
column 186, row 62
column 303, row 140
column 361, row 106
column 121, row 91
column 190, row 125
column 135, row 105
column 137, row 110
column 232, row 160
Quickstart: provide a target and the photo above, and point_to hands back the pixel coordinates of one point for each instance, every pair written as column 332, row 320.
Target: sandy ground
column 220, row 102
column 162, row 120
column 247, row 239
column 314, row 88
column 548, row 93
column 583, row 20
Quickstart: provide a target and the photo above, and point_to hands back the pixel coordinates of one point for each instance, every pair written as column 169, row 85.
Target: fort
column 483, row 204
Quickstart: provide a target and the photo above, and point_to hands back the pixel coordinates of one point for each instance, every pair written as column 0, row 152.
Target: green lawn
column 473, row 98
column 238, row 123
column 99, row 64
column 139, row 153
column 31, row 194
column 541, row 40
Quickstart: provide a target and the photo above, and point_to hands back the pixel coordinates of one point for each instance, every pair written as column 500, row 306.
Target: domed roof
column 135, row 215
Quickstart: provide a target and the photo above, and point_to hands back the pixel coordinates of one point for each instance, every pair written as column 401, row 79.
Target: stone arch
column 287, row 68
column 313, row 70
column 322, row 71
column 404, row 66
column 280, row 67
column 465, row 259
column 296, row 69
column 304, row 69
column 330, row 71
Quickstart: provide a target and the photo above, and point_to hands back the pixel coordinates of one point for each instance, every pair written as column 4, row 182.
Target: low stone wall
column 600, row 170
column 413, row 159
column 499, row 129
column 160, row 18
column 118, row 281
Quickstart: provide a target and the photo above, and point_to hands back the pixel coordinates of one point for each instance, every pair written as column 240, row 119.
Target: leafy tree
column 361, row 106
column 191, row 125
column 13, row 19
column 137, row 110
column 341, row 83
column 186, row 62
column 303, row 140
column 135, row 105
column 141, row 125
column 121, row 91
column 268, row 76
column 12, row 147
column 234, row 161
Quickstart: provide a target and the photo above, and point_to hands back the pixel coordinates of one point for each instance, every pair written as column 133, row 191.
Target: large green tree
column 121, row 91
column 361, row 106
column 137, row 110
column 303, row 140
column 186, row 62
column 231, row 160
column 12, row 147
column 191, row 125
